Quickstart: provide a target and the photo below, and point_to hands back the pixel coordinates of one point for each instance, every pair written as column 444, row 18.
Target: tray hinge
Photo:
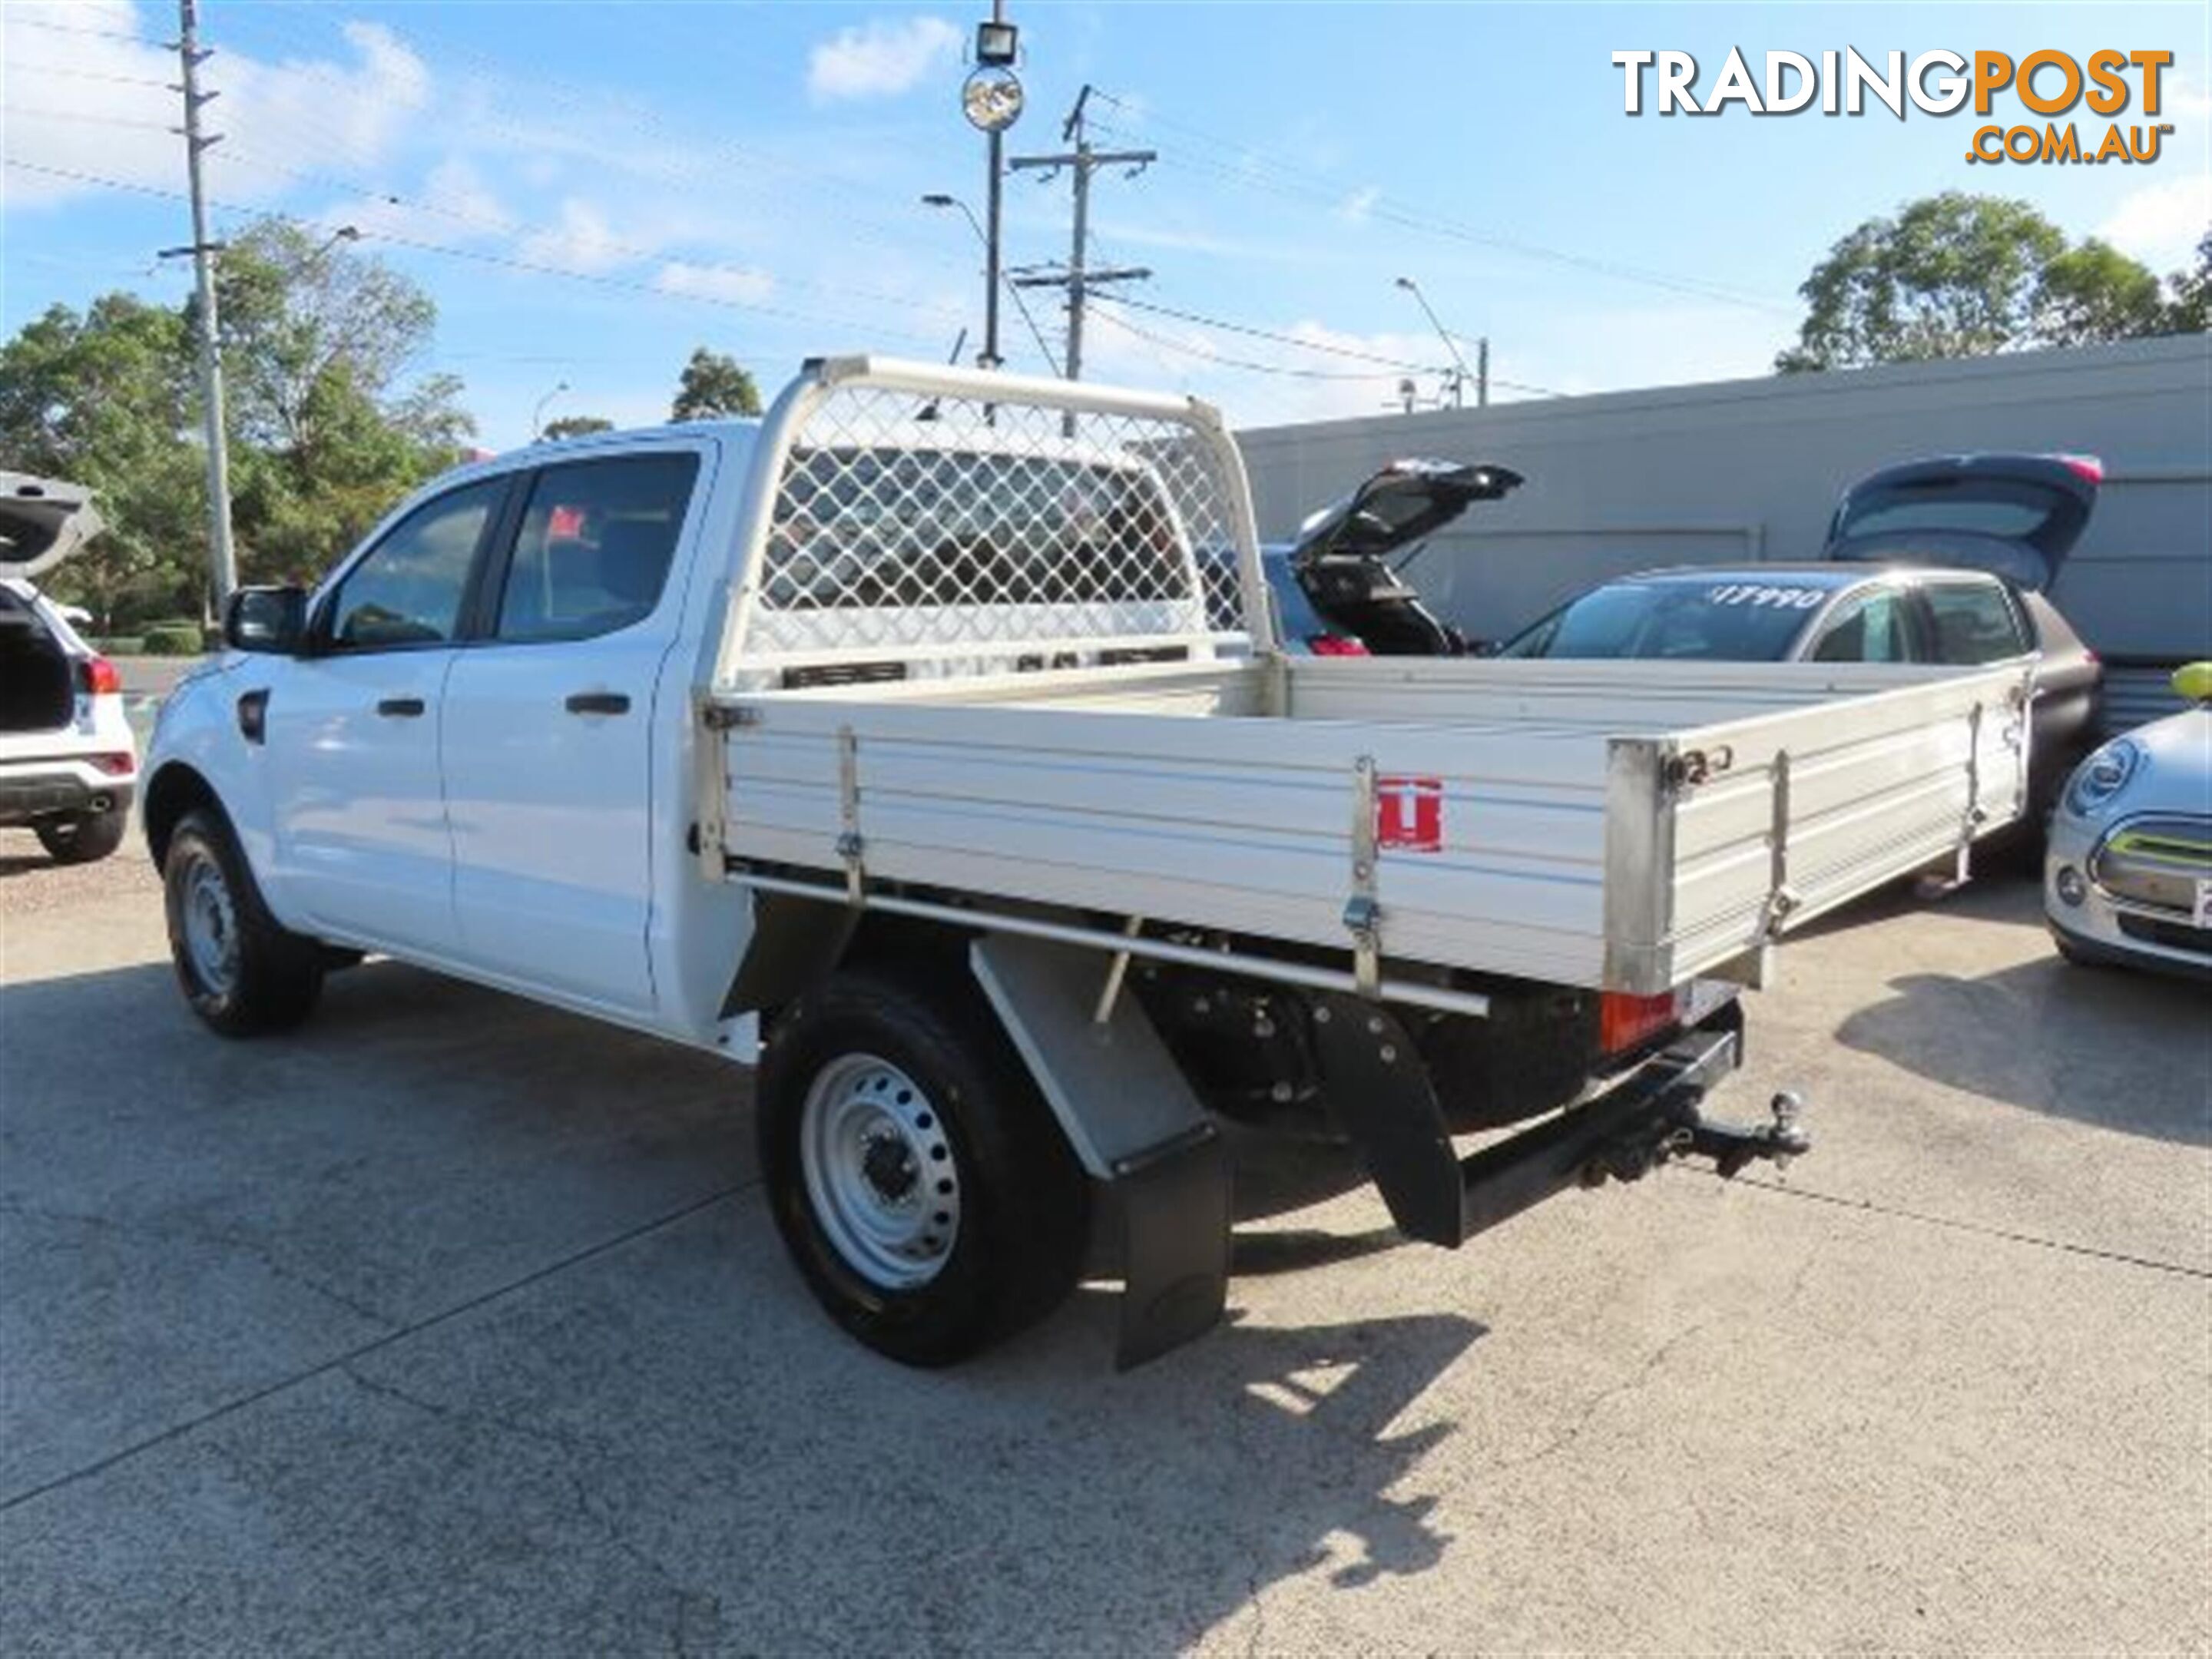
column 1781, row 897
column 1976, row 814
column 1362, row 911
column 850, row 845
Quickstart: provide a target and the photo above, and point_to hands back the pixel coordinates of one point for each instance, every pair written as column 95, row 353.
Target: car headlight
column 2102, row 776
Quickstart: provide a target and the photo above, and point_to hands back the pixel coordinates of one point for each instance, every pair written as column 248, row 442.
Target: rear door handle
column 598, row 702
column 403, row 708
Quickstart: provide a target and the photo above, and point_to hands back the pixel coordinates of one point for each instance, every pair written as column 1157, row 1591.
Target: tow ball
column 1686, row 1131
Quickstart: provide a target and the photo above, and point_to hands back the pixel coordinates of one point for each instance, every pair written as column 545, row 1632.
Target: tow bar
column 1649, row 1118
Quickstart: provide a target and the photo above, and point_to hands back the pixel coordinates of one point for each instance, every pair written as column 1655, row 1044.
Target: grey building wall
column 1751, row 470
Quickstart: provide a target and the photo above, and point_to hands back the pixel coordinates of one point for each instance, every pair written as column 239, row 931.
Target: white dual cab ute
column 886, row 743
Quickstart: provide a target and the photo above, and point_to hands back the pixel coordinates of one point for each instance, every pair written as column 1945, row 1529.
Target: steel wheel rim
column 880, row 1171
column 210, row 925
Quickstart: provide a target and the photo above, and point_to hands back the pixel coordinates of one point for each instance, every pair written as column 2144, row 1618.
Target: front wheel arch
column 176, row 789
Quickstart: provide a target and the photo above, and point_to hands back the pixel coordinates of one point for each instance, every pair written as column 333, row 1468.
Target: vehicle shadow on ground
column 2124, row 1050
column 1998, row 895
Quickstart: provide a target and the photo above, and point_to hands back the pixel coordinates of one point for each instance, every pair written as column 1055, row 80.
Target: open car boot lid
column 42, row 522
column 2014, row 516
column 1405, row 501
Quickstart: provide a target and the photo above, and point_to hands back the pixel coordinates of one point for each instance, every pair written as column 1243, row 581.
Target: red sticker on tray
column 1409, row 813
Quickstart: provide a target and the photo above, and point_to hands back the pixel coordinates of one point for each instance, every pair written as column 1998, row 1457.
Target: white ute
column 885, row 744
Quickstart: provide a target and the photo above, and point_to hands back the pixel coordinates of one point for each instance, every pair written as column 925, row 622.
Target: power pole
column 190, row 57
column 1482, row 373
column 1079, row 278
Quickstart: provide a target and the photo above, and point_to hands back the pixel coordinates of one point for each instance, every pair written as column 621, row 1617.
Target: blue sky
column 590, row 191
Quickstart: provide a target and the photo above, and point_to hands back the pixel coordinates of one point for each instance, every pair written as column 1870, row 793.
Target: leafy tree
column 714, row 386
column 105, row 399
column 2192, row 310
column 576, row 426
column 1962, row 276
column 325, row 431
column 316, row 337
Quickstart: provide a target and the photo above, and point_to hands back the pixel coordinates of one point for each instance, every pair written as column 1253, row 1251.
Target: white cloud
column 110, row 117
column 2160, row 223
column 582, row 240
column 1356, row 208
column 880, row 59
column 737, row 284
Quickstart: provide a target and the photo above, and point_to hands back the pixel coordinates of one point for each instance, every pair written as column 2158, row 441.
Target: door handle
column 404, row 709
column 598, row 702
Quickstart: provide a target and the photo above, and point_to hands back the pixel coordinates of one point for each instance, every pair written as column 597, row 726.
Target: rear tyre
column 918, row 1179
column 83, row 839
column 241, row 972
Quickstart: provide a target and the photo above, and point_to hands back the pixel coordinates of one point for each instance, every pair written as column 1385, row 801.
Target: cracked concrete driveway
column 452, row 1325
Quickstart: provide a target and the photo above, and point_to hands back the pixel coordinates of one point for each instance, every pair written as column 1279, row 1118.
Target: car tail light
column 1334, row 645
column 1625, row 1021
column 96, row 678
column 115, row 765
column 2091, row 467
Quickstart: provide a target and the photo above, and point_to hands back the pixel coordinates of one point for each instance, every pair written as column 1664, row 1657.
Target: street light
column 991, row 100
column 1461, row 373
column 538, row 413
column 938, row 199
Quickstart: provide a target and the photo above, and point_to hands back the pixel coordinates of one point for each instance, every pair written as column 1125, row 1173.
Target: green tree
column 1962, row 276
column 714, row 386
column 2190, row 312
column 316, row 338
column 105, row 399
column 576, row 426
column 327, row 429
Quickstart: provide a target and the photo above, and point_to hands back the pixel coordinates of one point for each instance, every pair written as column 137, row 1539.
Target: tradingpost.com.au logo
column 2109, row 83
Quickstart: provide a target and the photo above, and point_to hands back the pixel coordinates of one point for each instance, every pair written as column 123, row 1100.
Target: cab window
column 408, row 589
column 1973, row 622
column 592, row 550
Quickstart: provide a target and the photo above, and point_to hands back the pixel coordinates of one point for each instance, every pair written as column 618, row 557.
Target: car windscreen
column 1719, row 621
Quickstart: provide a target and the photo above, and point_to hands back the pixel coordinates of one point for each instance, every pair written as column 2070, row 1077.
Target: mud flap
column 1379, row 1088
column 1132, row 1120
column 1174, row 1245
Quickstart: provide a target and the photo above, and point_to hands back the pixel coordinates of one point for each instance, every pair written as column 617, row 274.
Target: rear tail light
column 1625, row 1021
column 2091, row 467
column 1334, row 645
column 96, row 678
column 116, row 766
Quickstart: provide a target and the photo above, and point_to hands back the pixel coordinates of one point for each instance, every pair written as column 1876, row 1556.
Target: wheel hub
column 210, row 926
column 880, row 1171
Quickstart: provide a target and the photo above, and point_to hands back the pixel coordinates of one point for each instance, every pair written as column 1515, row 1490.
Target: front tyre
column 84, row 839
column 917, row 1177
column 241, row 972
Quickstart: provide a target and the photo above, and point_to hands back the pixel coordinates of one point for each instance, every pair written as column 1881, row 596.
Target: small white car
column 2127, row 878
column 68, row 765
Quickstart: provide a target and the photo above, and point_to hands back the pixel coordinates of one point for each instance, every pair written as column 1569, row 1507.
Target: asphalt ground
column 452, row 1325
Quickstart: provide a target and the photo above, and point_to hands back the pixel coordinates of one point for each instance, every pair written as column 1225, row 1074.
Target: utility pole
column 1079, row 278
column 190, row 57
column 1482, row 373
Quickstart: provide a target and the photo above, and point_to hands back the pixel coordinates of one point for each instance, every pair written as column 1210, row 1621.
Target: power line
column 88, row 119
column 1301, row 187
column 1189, row 350
column 77, row 28
column 44, row 70
column 596, row 278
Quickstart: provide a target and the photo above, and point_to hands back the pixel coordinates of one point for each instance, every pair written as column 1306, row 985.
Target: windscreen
column 1719, row 621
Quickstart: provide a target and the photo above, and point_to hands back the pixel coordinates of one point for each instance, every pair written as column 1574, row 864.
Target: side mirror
column 2192, row 682
column 269, row 620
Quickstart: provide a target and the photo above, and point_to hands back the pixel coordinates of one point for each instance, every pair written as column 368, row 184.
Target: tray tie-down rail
column 1387, row 1104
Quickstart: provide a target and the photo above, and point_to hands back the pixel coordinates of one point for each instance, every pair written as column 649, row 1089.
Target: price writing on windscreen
column 1777, row 598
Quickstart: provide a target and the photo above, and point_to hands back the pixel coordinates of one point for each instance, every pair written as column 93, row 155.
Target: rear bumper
column 60, row 789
